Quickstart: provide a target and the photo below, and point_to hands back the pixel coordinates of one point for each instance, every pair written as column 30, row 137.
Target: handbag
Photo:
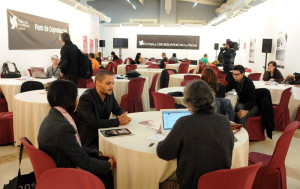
column 21, row 181
column 6, row 73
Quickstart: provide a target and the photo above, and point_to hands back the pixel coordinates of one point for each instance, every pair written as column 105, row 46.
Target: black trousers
column 251, row 113
column 72, row 77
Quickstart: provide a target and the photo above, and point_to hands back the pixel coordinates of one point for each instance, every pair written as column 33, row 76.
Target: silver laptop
column 109, row 58
column 170, row 116
column 38, row 72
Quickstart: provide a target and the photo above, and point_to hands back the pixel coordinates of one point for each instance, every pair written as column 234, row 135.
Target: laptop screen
column 37, row 71
column 109, row 58
column 169, row 117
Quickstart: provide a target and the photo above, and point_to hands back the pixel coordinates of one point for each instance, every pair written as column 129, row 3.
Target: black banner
column 168, row 41
column 26, row 31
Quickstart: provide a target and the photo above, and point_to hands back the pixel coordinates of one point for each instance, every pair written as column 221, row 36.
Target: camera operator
column 228, row 54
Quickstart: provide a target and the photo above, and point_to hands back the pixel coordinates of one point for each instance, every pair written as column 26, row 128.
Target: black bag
column 21, row 181
column 6, row 73
column 84, row 66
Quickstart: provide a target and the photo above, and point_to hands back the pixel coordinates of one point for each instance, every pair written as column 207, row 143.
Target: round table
column 30, row 108
column 149, row 73
column 12, row 86
column 176, row 67
column 138, row 165
column 176, row 79
column 121, row 70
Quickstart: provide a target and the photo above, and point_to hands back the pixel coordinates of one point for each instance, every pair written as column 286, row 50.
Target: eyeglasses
column 236, row 74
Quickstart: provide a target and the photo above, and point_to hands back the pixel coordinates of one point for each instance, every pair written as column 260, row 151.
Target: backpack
column 6, row 73
column 84, row 66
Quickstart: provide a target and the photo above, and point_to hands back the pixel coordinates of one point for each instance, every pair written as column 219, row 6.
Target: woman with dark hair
column 114, row 56
column 59, row 138
column 273, row 74
column 173, row 58
column 138, row 58
column 210, row 77
column 202, row 142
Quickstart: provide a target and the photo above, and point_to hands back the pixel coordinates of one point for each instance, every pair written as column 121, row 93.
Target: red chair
column 191, row 77
column 247, row 70
column 183, row 68
column 90, row 85
column 152, row 89
column 254, row 76
column 187, row 61
column 165, row 64
column 40, row 161
column 69, row 178
column 127, row 60
column 6, row 128
column 171, row 61
column 192, row 71
column 148, row 63
column 130, row 67
column 96, row 71
column 119, row 61
column 281, row 111
column 132, row 102
column 242, row 178
column 223, row 81
column 163, row 101
column 298, row 114
column 105, row 58
column 155, row 66
column 214, row 68
column 201, row 67
column 152, row 59
column 115, row 67
column 110, row 67
column 171, row 72
column 183, row 83
column 30, row 73
column 82, row 83
column 255, row 128
column 273, row 174
column 221, row 76
column 3, row 104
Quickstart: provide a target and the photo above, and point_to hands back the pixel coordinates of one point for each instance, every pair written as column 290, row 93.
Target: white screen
column 170, row 117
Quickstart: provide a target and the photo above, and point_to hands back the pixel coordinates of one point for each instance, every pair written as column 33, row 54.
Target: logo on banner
column 141, row 43
column 13, row 22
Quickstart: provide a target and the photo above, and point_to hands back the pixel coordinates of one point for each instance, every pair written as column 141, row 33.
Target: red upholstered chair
column 247, row 70
column 171, row 72
column 30, row 73
column 254, row 76
column 82, row 83
column 298, row 114
column 110, row 67
column 281, row 111
column 165, row 64
column 40, row 161
column 6, row 128
column 96, row 71
column 148, row 63
column 221, row 76
column 163, row 101
column 152, row 89
column 201, row 67
column 223, row 81
column 105, row 58
column 171, row 61
column 3, row 104
column 187, row 61
column 192, row 71
column 183, row 68
column 115, row 67
column 155, row 66
column 69, row 178
column 127, row 60
column 119, row 61
column 255, row 127
column 152, row 59
column 90, row 85
column 273, row 173
column 183, row 83
column 241, row 178
column 130, row 67
column 191, row 77
column 214, row 68
column 132, row 102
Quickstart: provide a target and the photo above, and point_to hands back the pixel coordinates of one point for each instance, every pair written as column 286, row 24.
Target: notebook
column 38, row 72
column 170, row 116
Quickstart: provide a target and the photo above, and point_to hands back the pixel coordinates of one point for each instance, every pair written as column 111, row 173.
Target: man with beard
column 94, row 109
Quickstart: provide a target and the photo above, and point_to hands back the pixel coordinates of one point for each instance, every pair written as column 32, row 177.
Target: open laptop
column 38, row 72
column 170, row 116
column 109, row 58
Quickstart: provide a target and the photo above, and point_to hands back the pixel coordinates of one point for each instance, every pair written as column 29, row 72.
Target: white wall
column 80, row 24
column 263, row 21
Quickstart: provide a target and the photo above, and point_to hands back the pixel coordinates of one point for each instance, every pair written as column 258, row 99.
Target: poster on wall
column 252, row 50
column 85, row 45
column 26, row 31
column 280, row 49
column 168, row 42
column 96, row 45
column 91, row 46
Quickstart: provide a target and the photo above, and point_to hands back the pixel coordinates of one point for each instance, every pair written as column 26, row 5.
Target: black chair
column 31, row 85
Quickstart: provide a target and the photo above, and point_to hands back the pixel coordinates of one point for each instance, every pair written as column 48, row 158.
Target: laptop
column 38, row 72
column 109, row 58
column 170, row 116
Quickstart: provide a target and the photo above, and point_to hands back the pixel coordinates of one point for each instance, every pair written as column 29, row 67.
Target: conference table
column 137, row 163
column 12, row 86
column 176, row 79
column 149, row 73
column 176, row 67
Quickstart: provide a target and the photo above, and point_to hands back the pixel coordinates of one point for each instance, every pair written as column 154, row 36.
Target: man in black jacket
column 246, row 106
column 228, row 55
column 69, row 54
column 162, row 62
column 94, row 109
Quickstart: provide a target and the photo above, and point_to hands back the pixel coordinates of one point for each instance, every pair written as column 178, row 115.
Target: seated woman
column 58, row 136
column 174, row 58
column 138, row 58
column 210, row 77
column 202, row 142
column 273, row 74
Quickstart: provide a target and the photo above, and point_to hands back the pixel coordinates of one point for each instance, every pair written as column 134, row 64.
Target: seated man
column 204, row 59
column 53, row 71
column 95, row 63
column 162, row 62
column 246, row 105
column 94, row 109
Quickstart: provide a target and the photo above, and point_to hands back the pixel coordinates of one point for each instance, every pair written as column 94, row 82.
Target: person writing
column 273, row 74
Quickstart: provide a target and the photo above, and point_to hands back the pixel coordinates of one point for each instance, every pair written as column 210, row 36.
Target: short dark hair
column 174, row 55
column 100, row 75
column 65, row 37
column 205, row 55
column 92, row 55
column 239, row 68
column 62, row 93
column 163, row 54
column 113, row 53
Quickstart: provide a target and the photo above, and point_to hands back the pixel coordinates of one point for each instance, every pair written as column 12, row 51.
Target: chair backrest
column 183, row 83
column 201, row 67
column 153, row 84
column 183, row 68
column 30, row 73
column 115, row 67
column 242, row 177
column 82, row 83
column 171, row 61
column 130, row 67
column 163, row 101
column 135, row 87
column 110, row 67
column 282, row 145
column 69, row 178
column 155, row 66
column 223, row 81
column 248, row 70
column 152, row 59
column 222, row 76
column 118, row 61
column 187, row 61
column 192, row 71
column 96, row 71
column 40, row 161
column 191, row 77
column 214, row 68
column 171, row 72
column 31, row 85
column 285, row 98
column 127, row 60
column 148, row 63
column 254, row 76
column 90, row 85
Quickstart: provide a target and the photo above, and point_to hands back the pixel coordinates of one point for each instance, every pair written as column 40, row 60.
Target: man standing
column 94, row 109
column 246, row 105
column 53, row 71
column 228, row 54
column 205, row 59
column 162, row 62
column 69, row 54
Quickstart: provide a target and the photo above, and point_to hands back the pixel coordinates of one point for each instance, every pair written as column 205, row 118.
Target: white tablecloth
column 176, row 79
column 176, row 67
column 138, row 165
column 149, row 73
column 121, row 70
column 30, row 108
column 11, row 87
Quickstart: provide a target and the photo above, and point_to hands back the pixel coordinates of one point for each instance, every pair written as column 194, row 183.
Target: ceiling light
column 131, row 4
column 195, row 4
